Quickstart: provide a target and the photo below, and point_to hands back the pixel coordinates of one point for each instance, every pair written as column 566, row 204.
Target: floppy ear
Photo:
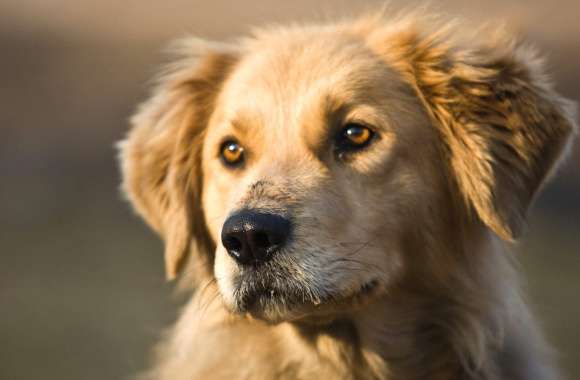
column 160, row 158
column 504, row 128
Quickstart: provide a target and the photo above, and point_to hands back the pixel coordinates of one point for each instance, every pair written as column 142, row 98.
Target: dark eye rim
column 344, row 146
column 227, row 163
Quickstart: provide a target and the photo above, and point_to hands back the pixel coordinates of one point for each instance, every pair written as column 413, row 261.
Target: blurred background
column 82, row 293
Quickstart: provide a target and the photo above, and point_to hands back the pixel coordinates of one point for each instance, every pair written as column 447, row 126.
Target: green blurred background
column 82, row 294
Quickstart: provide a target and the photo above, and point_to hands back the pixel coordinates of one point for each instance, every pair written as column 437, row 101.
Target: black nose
column 253, row 237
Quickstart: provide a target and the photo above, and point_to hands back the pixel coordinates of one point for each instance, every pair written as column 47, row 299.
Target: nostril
column 276, row 240
column 261, row 240
column 232, row 243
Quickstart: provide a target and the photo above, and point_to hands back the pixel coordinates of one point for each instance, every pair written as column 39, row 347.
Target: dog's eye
column 357, row 135
column 232, row 153
column 353, row 137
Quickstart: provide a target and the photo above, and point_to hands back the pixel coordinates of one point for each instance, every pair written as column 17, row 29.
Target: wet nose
column 252, row 238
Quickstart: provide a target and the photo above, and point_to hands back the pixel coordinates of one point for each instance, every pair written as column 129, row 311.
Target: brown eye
column 232, row 153
column 357, row 135
column 353, row 137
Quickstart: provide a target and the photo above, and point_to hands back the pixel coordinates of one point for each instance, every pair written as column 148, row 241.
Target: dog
column 339, row 195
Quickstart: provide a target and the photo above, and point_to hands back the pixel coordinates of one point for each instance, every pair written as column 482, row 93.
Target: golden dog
column 336, row 192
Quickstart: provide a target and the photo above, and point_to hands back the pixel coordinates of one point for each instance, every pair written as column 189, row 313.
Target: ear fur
column 504, row 129
column 160, row 157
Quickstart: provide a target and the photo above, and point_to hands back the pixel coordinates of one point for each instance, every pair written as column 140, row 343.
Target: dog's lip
column 368, row 287
column 250, row 301
column 363, row 292
column 263, row 294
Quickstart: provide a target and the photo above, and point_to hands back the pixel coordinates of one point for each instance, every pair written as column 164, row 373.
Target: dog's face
column 304, row 164
column 328, row 150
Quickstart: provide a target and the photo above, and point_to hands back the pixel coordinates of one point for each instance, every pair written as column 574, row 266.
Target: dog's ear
column 160, row 158
column 504, row 128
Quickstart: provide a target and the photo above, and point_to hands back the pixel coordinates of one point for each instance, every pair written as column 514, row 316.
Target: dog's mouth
column 276, row 302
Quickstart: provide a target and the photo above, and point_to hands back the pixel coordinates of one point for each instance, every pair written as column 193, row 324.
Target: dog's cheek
column 372, row 238
column 224, row 271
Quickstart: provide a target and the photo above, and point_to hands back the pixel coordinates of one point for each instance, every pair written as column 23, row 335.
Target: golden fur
column 469, row 129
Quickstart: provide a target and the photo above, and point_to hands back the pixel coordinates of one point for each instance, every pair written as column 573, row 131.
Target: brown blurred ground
column 82, row 294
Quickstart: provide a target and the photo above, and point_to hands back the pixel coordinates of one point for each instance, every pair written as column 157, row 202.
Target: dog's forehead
column 282, row 78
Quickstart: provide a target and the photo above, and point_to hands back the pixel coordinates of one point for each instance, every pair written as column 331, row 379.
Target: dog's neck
column 386, row 343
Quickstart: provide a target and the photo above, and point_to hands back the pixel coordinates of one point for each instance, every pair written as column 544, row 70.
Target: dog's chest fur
column 208, row 343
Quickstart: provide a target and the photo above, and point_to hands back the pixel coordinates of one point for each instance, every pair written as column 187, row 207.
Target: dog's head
column 308, row 169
